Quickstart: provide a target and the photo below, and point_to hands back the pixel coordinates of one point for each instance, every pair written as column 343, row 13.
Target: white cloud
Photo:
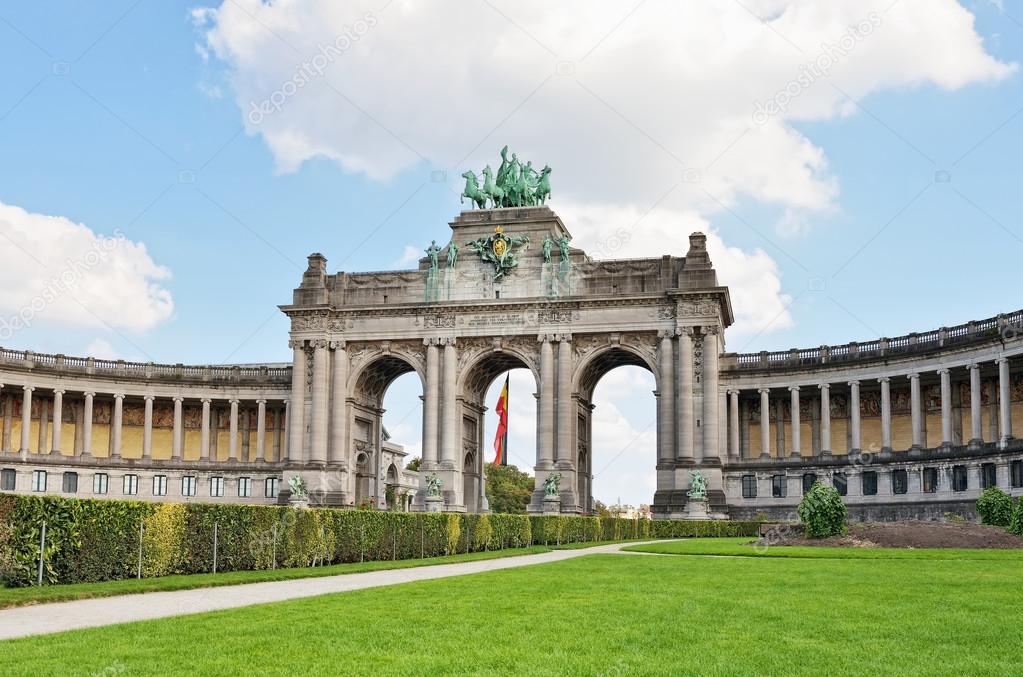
column 60, row 273
column 101, row 349
column 674, row 85
column 409, row 256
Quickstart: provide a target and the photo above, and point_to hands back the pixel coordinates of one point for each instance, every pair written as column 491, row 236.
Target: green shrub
column 483, row 533
column 454, row 533
column 1016, row 523
column 162, row 540
column 822, row 511
column 995, row 507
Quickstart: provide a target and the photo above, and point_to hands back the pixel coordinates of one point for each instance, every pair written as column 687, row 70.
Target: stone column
column 318, row 442
column 58, row 420
column 916, row 411
column 296, row 421
column 685, row 394
column 976, row 429
column 1004, row 405
column 545, row 446
column 855, row 436
column 339, row 405
column 946, row 407
column 431, row 405
column 665, row 399
column 204, row 443
column 449, row 442
column 733, row 425
column 825, row 389
column 794, row 405
column 176, row 433
column 26, row 416
column 260, row 430
column 886, row 413
column 565, row 405
column 232, row 426
column 87, row 424
column 44, row 425
column 147, row 428
column 765, row 422
column 116, row 426
column 710, row 394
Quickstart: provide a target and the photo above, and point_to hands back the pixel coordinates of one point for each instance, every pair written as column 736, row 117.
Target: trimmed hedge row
column 97, row 540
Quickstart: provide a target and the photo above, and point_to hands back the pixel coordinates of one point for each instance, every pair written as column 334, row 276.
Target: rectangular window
column 70, row 483
column 188, row 485
column 270, row 487
column 130, row 487
column 988, row 476
column 216, row 486
column 808, row 480
column 159, row 485
column 38, row 480
column 930, row 480
column 959, row 478
column 749, row 486
column 99, row 483
column 778, row 486
column 8, row 479
column 870, row 483
column 900, row 482
column 1016, row 473
column 841, row 483
column 244, row 487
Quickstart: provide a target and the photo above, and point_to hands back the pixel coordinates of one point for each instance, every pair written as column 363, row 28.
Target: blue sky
column 129, row 117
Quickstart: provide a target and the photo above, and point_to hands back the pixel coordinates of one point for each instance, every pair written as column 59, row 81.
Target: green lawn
column 595, row 615
column 11, row 597
column 742, row 547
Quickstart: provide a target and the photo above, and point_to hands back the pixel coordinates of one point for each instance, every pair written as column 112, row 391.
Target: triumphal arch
column 507, row 290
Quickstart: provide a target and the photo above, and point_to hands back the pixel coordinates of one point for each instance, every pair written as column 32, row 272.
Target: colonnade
column 51, row 423
column 822, row 426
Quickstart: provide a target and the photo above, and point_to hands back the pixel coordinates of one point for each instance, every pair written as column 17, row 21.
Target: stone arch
column 589, row 373
column 371, row 379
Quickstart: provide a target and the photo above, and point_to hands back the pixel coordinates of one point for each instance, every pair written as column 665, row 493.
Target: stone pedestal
column 551, row 505
column 298, row 502
column 434, row 504
column 696, row 509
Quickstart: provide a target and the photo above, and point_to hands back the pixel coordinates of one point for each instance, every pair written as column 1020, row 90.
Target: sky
column 167, row 166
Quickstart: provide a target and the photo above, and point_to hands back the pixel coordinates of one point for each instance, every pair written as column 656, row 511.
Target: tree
column 508, row 489
column 414, row 464
column 995, row 507
column 601, row 509
column 822, row 511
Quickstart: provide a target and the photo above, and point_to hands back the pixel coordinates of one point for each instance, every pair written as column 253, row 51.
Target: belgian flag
column 501, row 440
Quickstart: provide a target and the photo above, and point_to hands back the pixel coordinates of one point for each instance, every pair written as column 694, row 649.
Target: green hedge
column 97, row 540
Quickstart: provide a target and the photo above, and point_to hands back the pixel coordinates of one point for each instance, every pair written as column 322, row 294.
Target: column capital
column 685, row 331
column 319, row 344
column 764, row 391
column 733, row 391
column 295, row 344
column 56, row 391
column 261, row 401
column 665, row 333
column 339, row 344
column 824, row 386
column 431, row 341
column 711, row 331
column 793, row 389
column 943, row 371
column 563, row 338
column 1002, row 359
column 233, row 400
column 206, row 400
column 912, row 376
column 28, row 389
column 885, row 379
column 178, row 398
column 149, row 397
column 853, row 383
column 544, row 338
column 89, row 393
column 118, row 396
column 973, row 366
column 448, row 341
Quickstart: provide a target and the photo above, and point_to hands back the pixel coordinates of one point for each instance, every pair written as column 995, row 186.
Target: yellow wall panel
column 163, row 439
column 223, row 444
column 67, row 439
column 933, row 430
column 839, row 436
column 1017, row 419
column 806, row 438
column 870, row 434
column 902, row 432
column 131, row 441
column 193, row 444
column 754, row 440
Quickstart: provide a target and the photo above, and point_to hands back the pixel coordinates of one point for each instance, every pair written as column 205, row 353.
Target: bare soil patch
column 910, row 534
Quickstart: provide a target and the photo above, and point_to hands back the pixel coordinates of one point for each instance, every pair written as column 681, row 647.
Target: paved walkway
column 89, row 613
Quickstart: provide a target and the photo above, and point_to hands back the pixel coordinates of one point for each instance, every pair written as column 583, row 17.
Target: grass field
column 599, row 615
column 741, row 547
